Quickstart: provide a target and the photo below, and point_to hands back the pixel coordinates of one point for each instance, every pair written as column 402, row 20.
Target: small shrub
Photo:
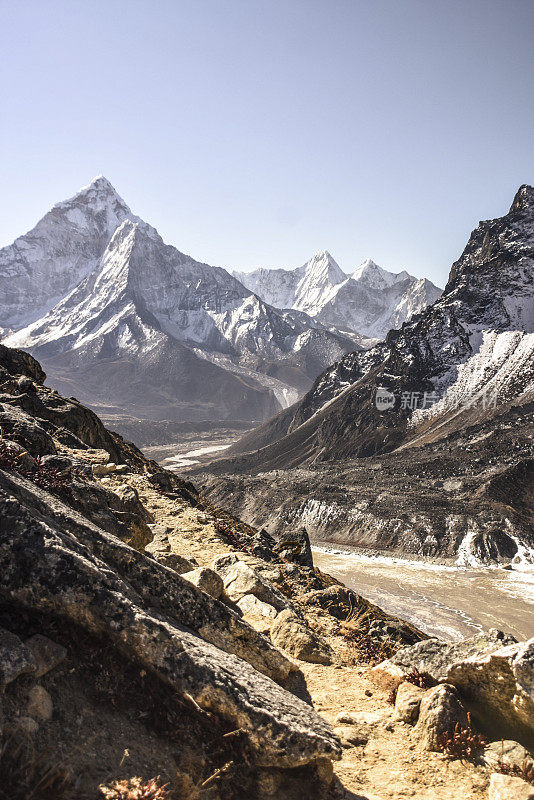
column 525, row 771
column 421, row 679
column 365, row 648
column 463, row 742
column 231, row 535
column 45, row 477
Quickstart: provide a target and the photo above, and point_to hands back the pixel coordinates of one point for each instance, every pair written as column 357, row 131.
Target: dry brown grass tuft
column 136, row 789
column 27, row 775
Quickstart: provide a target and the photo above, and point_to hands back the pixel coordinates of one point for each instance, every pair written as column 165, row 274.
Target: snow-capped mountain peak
column 97, row 204
column 42, row 266
column 374, row 276
column 317, row 280
column 323, row 267
column 369, row 302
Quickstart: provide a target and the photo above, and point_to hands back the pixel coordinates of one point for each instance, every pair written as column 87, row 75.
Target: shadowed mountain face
column 131, row 325
column 445, row 474
column 467, row 356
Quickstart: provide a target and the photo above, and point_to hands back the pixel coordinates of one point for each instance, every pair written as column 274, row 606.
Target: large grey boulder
column 500, row 688
column 240, row 579
column 436, row 657
column 52, row 559
column 440, row 711
column 294, row 637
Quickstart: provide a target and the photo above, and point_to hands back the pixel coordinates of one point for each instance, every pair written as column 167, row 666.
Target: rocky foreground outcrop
column 65, row 552
column 144, row 632
column 492, row 672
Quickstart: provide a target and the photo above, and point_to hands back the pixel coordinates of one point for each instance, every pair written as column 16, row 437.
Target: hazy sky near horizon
column 253, row 133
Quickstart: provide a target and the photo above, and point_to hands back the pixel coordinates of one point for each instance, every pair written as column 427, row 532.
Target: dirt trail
column 389, row 766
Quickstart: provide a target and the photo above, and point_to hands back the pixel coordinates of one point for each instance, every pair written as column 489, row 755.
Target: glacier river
column 448, row 601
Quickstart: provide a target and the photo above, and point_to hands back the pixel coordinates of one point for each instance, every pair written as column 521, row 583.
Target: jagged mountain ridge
column 128, row 297
column 369, row 302
column 466, row 332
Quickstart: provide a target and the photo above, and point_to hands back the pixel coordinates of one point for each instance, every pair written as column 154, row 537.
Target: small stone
column 325, row 771
column 15, row 658
column 46, row 653
column 506, row 751
column 25, row 384
column 440, row 711
column 205, row 579
column 387, row 675
column 39, row 704
column 127, row 494
column 504, row 787
column 407, row 702
column 122, row 469
column 344, row 717
column 27, row 725
column 350, row 736
column 268, row 782
column 159, row 550
column 99, row 470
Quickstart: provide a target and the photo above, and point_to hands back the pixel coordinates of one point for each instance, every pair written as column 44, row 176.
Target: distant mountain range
column 370, row 302
column 131, row 325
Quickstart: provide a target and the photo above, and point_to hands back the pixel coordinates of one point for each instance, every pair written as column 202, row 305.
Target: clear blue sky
column 256, row 132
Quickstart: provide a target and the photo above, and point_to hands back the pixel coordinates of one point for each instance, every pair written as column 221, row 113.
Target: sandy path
column 389, row 766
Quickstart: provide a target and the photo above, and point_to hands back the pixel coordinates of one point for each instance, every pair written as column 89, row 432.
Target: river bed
column 447, row 601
